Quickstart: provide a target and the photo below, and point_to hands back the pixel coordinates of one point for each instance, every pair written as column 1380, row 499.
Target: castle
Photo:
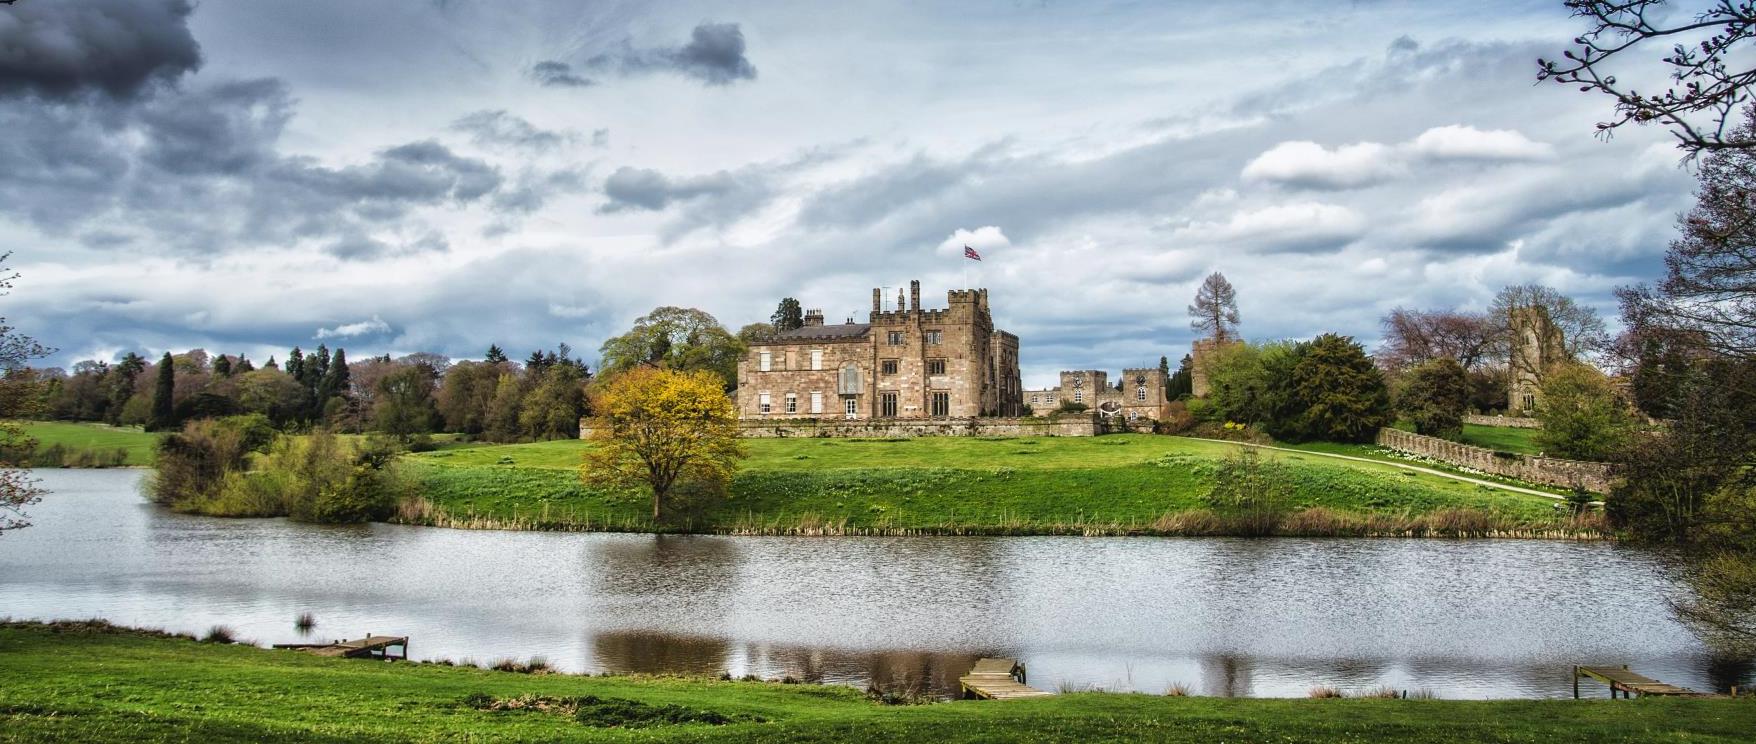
column 1142, row 394
column 907, row 363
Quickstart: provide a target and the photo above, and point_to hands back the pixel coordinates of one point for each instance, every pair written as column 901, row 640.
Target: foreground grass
column 97, row 443
column 90, row 683
column 1121, row 484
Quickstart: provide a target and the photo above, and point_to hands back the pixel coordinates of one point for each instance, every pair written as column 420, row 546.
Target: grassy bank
column 79, row 682
column 86, row 445
column 1501, row 438
column 1121, row 484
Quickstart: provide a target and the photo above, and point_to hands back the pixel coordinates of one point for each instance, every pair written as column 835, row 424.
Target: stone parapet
column 1515, row 422
column 1548, row 471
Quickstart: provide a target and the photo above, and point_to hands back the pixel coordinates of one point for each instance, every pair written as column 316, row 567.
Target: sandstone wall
column 1516, row 422
column 1593, row 476
column 1065, row 426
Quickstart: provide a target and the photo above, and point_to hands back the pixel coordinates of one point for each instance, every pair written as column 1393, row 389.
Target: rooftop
column 844, row 330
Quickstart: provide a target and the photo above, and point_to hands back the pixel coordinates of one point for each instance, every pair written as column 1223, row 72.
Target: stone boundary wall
column 1549, row 471
column 1515, row 422
column 986, row 426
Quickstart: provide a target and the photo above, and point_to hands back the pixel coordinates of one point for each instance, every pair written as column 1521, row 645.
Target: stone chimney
column 813, row 318
column 914, row 295
column 877, row 299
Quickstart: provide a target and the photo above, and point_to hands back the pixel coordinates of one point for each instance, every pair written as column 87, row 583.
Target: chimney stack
column 914, row 295
column 813, row 318
column 877, row 300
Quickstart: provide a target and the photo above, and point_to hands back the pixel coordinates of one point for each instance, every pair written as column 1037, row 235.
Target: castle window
column 850, row 380
column 816, row 359
column 817, row 402
column 1036, row 398
column 941, row 405
column 765, row 361
column 933, row 337
column 1140, row 392
column 853, row 407
column 1051, row 397
column 895, row 338
column 935, row 366
column 792, row 403
column 887, row 405
column 764, row 404
column 1529, row 402
column 887, row 366
column 1078, row 395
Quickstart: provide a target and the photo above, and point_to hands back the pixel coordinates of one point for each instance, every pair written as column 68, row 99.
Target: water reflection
column 1227, row 617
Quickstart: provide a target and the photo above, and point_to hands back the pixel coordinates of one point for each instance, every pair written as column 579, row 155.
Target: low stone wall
column 1549, row 471
column 987, row 426
column 1515, row 422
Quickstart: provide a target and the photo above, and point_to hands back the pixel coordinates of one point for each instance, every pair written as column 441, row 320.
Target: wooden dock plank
column 364, row 647
column 1628, row 681
column 998, row 679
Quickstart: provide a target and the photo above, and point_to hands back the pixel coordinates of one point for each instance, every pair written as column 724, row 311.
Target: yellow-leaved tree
column 657, row 428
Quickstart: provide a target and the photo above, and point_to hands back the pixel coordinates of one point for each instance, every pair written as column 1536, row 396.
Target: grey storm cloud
column 556, row 74
column 500, row 128
column 714, row 56
column 68, row 47
column 647, row 189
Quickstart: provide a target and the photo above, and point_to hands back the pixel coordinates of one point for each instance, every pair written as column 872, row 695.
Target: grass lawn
column 92, row 437
column 1130, row 483
column 77, row 683
column 1502, row 438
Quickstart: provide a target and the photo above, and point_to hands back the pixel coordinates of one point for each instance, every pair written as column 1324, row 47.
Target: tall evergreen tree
column 222, row 366
column 335, row 381
column 495, row 355
column 788, row 315
column 1215, row 310
column 295, row 366
column 243, row 365
column 121, row 381
column 271, row 363
column 162, row 411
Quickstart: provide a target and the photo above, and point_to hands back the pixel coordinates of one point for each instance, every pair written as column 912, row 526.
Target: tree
column 1704, row 90
column 676, row 338
column 554, row 406
column 1433, row 396
column 755, row 333
column 1668, row 479
column 466, row 394
column 1583, row 417
column 788, row 315
column 1215, row 311
column 1182, row 382
column 222, row 366
column 1709, row 286
column 494, row 355
column 659, row 428
column 502, row 418
column 404, row 405
column 1582, row 331
column 1334, row 393
column 1413, row 337
column 163, row 405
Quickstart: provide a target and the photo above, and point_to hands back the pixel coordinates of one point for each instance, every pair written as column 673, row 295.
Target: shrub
column 220, row 634
column 193, row 464
column 1433, row 397
column 1583, row 417
column 1257, row 490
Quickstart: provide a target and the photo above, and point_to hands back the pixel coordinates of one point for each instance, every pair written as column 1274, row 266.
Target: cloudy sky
column 436, row 175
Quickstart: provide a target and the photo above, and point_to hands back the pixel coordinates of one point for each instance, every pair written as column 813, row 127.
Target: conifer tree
column 787, row 315
column 1215, row 310
column 222, row 366
column 243, row 365
column 495, row 355
column 335, row 382
column 162, row 412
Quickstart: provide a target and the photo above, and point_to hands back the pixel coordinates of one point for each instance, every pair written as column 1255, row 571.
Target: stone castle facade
column 1537, row 346
column 907, row 363
column 1144, row 394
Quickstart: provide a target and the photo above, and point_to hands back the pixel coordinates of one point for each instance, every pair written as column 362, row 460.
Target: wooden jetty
column 1628, row 683
column 370, row 647
column 997, row 679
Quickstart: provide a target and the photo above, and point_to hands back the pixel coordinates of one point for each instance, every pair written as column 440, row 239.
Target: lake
column 1256, row 617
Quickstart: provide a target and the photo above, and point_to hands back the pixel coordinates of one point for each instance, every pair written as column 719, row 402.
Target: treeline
column 495, row 399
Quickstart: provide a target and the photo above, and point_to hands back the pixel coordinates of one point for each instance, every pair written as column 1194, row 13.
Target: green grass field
column 1119, row 484
column 78, row 683
column 95, row 438
column 1502, row 438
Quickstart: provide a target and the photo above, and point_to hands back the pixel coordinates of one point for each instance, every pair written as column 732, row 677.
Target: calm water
column 1226, row 616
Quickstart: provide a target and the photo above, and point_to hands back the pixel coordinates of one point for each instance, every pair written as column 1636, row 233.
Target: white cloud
column 983, row 239
column 1302, row 225
column 352, row 330
column 1310, row 164
column 1457, row 142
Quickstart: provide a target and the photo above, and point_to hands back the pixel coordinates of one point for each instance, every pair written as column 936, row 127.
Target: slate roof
column 837, row 331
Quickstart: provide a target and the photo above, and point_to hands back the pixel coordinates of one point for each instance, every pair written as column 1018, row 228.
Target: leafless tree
column 1707, row 62
column 1215, row 311
column 1582, row 332
column 17, row 400
column 1412, row 337
column 1709, row 288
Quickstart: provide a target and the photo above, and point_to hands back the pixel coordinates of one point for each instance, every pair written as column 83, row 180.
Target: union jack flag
column 970, row 253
